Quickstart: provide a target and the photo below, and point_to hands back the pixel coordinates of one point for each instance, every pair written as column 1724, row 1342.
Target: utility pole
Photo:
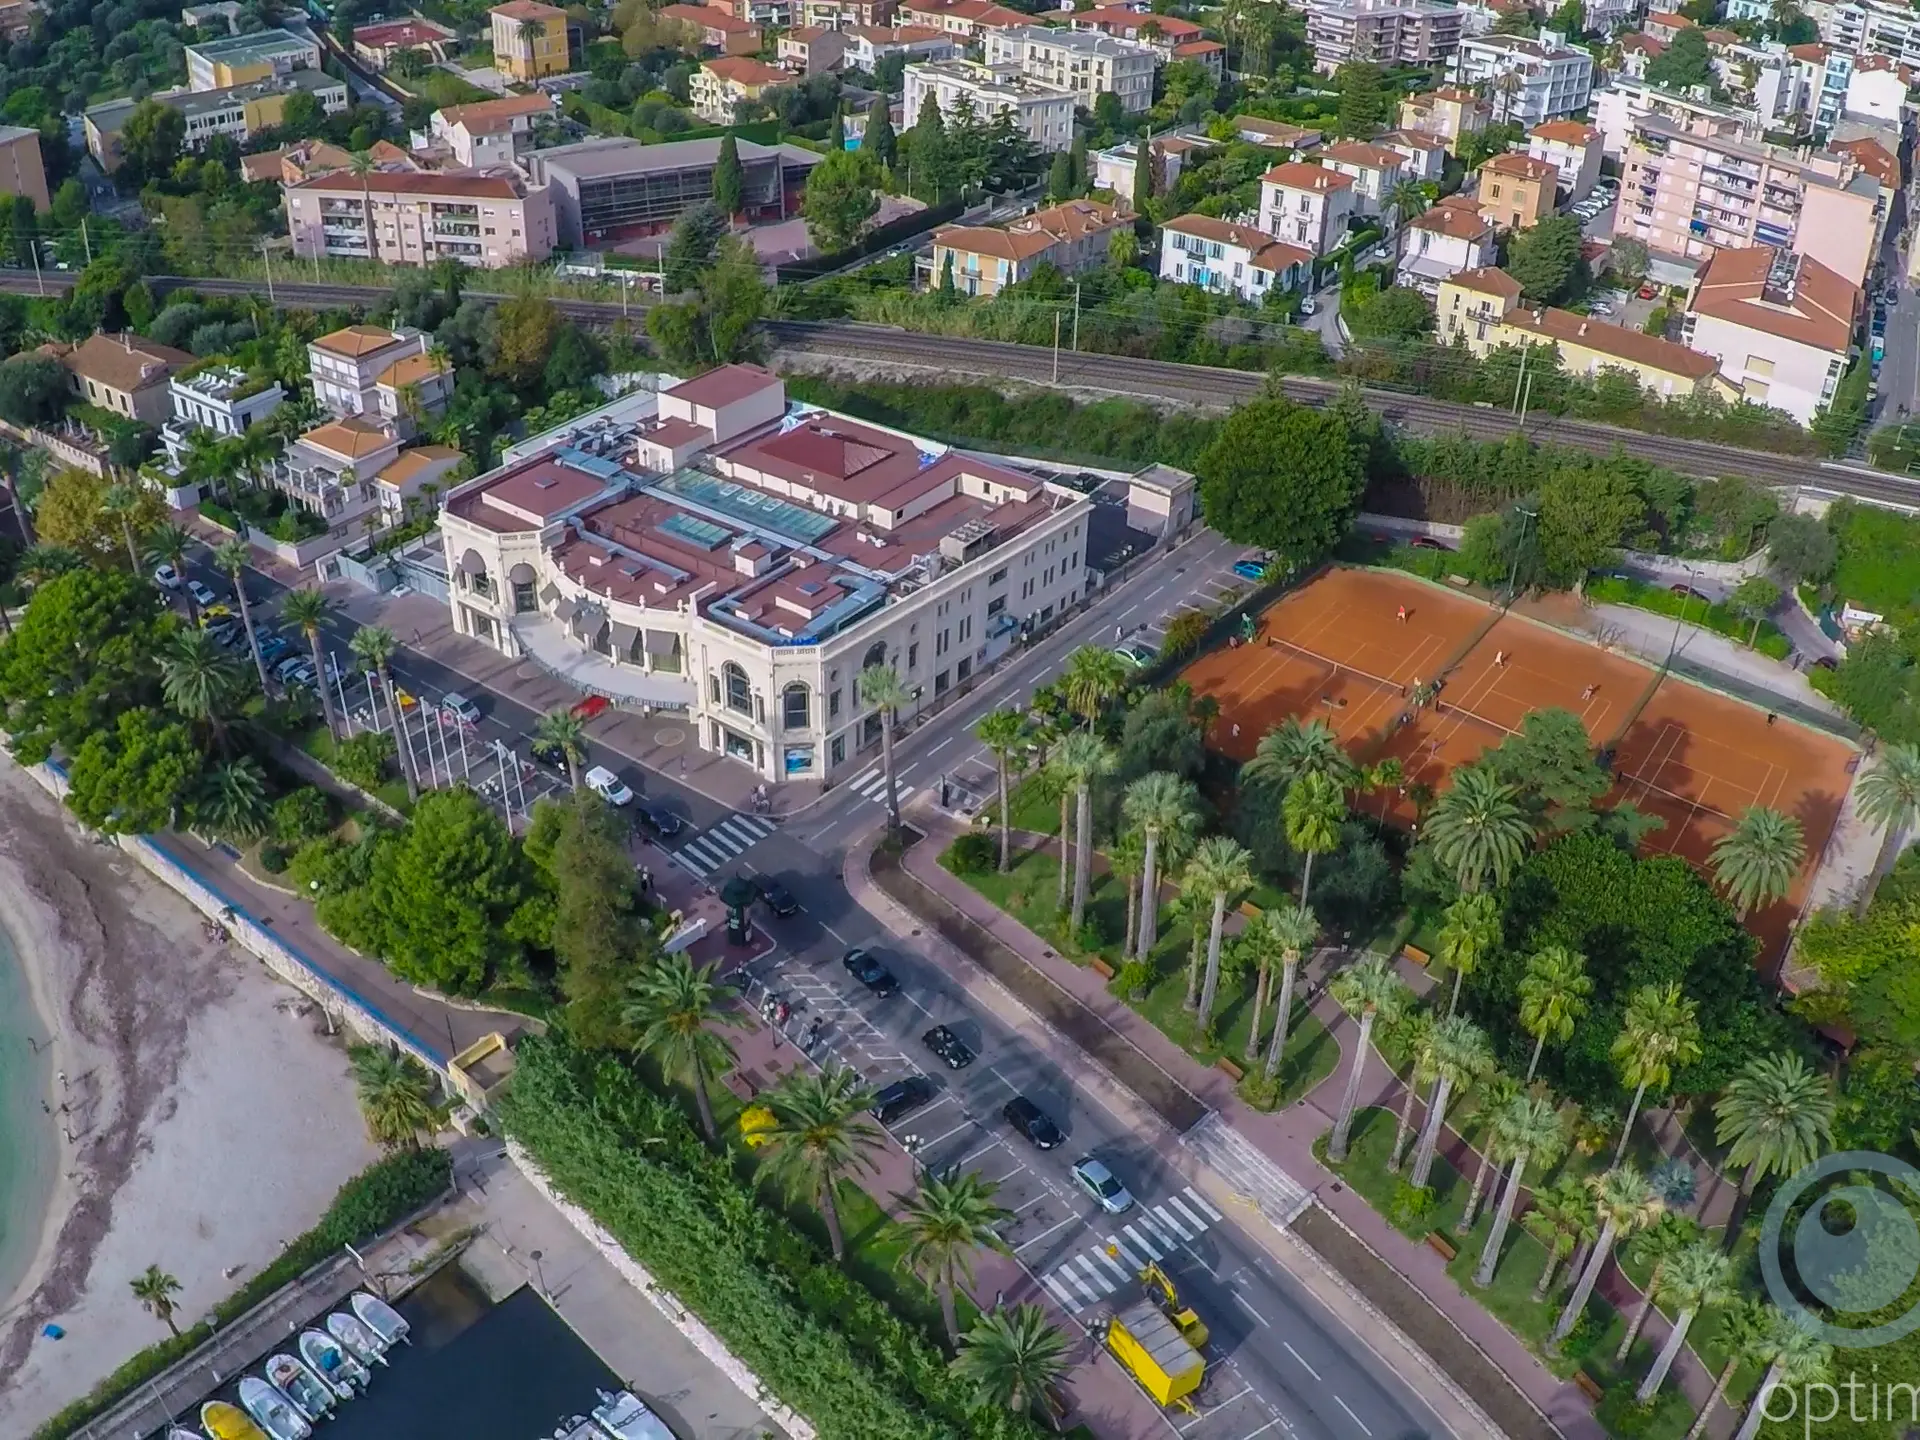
column 1524, row 351
column 84, row 241
column 267, row 260
column 39, row 280
column 1076, row 317
column 1056, row 347
column 1525, row 397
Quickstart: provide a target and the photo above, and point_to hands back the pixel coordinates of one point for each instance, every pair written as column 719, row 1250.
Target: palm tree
column 232, row 556
column 1056, row 780
column 155, row 1290
column 1528, row 1131
column 1220, row 867
column 396, row 1096
column 672, row 1008
column 820, row 1134
column 1478, row 830
column 1291, row 931
column 1004, row 732
column 1755, row 862
column 44, row 561
column 1083, row 758
column 1093, row 677
column 1470, row 931
column 1795, row 1355
column 1012, row 1358
column 1387, row 774
column 232, row 800
column 1553, row 996
column 1312, row 812
column 565, row 732
column 1747, row 1329
column 1491, row 1099
column 1162, row 805
column 167, row 545
column 374, row 646
column 1697, row 1277
column 1776, row 1117
column 1624, row 1203
column 1461, row 1055
column 1291, row 750
column 1370, row 991
column 1424, row 1070
column 1654, row 1247
column 1409, row 200
column 309, row 610
column 1658, row 1033
column 1889, row 792
column 360, row 164
column 120, row 501
column 1125, row 857
column 199, row 680
column 946, row 1221
column 1564, row 1211
column 881, row 689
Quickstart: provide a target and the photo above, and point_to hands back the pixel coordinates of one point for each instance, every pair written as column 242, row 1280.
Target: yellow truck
column 1158, row 1340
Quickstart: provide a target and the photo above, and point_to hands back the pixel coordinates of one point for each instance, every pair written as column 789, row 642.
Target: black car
column 948, row 1046
column 870, row 972
column 1031, row 1121
column 778, row 898
column 551, row 758
column 890, row 1102
column 660, row 820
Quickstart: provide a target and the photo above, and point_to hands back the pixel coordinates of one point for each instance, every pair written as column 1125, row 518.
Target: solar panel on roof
column 694, row 530
column 751, row 507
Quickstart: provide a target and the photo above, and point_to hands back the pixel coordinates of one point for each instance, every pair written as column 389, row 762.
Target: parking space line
column 1303, row 1361
column 1153, row 1251
column 1201, row 1417
column 951, row 1133
column 1002, row 1179
column 1132, row 1259
column 994, row 1071
column 1031, row 1203
column 1205, row 1209
column 1263, row 1429
column 1045, row 1233
column 969, row 1159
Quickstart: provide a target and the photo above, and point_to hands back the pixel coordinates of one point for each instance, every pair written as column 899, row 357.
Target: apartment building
column 1482, row 309
column 1623, row 103
column 1447, row 114
column 721, row 86
column 330, row 469
column 485, row 219
column 1441, row 242
column 529, row 40
column 240, row 112
column 220, row 399
column 1779, row 324
column 767, row 14
column 710, row 28
column 1517, row 191
column 1117, row 168
column 1040, row 112
column 1139, row 26
column 21, row 172
column 1573, row 149
column 492, row 132
column 1375, row 171
column 1528, row 81
column 1690, row 195
column 1873, row 27
column 1231, row 259
column 1609, row 17
column 376, row 45
column 988, row 258
column 1307, row 205
column 1425, row 156
column 1877, row 90
column 367, row 371
column 849, row 14
column 244, row 59
column 126, row 373
column 741, row 559
column 1382, row 32
column 868, row 45
column 612, row 189
column 969, row 20
column 1087, row 64
column 812, row 50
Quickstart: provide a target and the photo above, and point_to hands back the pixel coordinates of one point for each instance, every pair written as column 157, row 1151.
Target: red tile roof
column 722, row 387
column 1820, row 310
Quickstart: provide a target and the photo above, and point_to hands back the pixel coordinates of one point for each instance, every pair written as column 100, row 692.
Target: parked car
column 272, row 647
column 609, row 787
column 458, row 707
column 1136, row 654
column 167, row 578
column 227, row 632
column 1103, row 1185
column 657, row 818
column 297, row 672
column 1427, row 542
column 1687, row 592
column 588, row 708
column 776, row 896
column 1249, row 569
column 1647, row 292
column 1032, row 1122
column 202, row 595
column 948, row 1046
column 870, row 972
column 902, row 1097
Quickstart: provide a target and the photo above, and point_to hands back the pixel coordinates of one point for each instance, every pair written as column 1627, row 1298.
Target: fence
column 877, row 239
column 1812, row 716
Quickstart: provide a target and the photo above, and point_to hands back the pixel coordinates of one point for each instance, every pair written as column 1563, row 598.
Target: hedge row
column 1718, row 617
column 821, row 1341
column 383, row 1194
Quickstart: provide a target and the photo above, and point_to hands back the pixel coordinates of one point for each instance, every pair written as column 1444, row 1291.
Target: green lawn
column 317, row 743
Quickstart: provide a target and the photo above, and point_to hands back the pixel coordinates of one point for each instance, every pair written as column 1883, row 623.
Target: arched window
column 876, row 655
column 739, row 693
column 793, row 707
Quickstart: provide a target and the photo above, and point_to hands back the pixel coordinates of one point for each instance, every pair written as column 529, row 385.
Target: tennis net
column 1337, row 666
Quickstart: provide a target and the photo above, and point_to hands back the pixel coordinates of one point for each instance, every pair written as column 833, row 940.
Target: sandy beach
column 212, row 1116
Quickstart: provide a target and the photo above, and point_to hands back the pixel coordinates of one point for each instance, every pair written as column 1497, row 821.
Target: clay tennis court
column 1337, row 650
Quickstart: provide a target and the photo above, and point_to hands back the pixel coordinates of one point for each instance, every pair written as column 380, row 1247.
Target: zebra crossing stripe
column 1112, row 1264
column 698, row 868
column 1059, row 1292
column 1160, row 1213
column 1099, row 1277
column 1186, row 1214
column 1153, row 1251
column 1133, row 1260
column 1093, row 1296
column 1205, row 1209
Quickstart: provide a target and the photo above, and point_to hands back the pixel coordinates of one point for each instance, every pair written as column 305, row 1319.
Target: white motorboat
column 274, row 1413
column 380, row 1317
column 624, row 1416
column 358, row 1341
column 311, row 1395
column 346, row 1376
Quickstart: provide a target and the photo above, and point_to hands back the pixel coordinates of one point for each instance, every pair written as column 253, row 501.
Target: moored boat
column 272, row 1411
column 228, row 1422
column 345, row 1375
column 622, row 1415
column 358, row 1341
column 380, row 1317
column 311, row 1395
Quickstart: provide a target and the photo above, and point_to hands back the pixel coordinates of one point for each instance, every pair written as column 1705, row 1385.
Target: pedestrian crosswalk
column 1150, row 1233
column 1238, row 1161
column 873, row 786
column 726, row 841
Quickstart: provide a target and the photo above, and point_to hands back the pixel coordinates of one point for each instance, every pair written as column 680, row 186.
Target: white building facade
column 1042, row 113
column 1528, row 81
column 1079, row 61
column 1231, row 259
column 1307, row 205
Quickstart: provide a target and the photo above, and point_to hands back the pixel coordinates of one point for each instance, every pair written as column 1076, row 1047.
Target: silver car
column 1101, row 1183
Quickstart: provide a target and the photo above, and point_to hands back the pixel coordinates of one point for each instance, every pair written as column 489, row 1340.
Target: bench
column 1232, row 1071
column 1101, row 968
column 1415, row 954
column 1589, row 1386
column 1441, row 1246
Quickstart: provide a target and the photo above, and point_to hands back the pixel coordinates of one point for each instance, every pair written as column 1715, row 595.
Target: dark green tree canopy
column 1283, row 477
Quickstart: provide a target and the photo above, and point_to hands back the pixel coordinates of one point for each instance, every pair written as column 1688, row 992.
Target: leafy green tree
column 946, row 1220
column 674, row 1010
column 729, row 181
column 234, row 556
column 691, row 247
column 1363, row 100
column 1311, row 814
column 878, row 140
column 396, row 1096
column 1801, row 548
column 1553, row 996
column 1756, row 861
column 133, row 776
column 1546, row 259
column 820, row 1136
column 599, row 934
column 1059, row 177
column 1561, row 1213
column 1477, row 831
column 155, row 1289
column 1550, row 762
column 1697, row 1277
column 1528, row 1131
column 1005, row 734
column 1162, row 806
column 81, row 655
column 1369, row 991
column 1013, row 1359
column 1685, row 62
column 1625, row 1203
column 1461, row 1055
column 1889, row 791
column 1470, row 928
column 33, row 390
column 1775, row 1118
column 839, row 202
column 1283, row 477
column 1661, row 1030
column 1219, row 869
column 1491, row 1098
column 931, row 162
column 150, row 141
column 1753, row 599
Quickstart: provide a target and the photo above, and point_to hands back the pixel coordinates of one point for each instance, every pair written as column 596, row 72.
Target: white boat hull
column 311, row 1395
column 337, row 1370
column 381, row 1318
column 272, row 1411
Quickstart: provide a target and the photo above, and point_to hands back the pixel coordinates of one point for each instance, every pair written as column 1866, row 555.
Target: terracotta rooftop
column 1567, row 132
column 1488, row 280
column 530, row 495
column 489, row 116
column 1298, row 175
column 1129, row 22
column 1367, row 157
column 881, row 36
column 357, row 340
column 412, row 31
column 1037, row 233
column 409, row 463
column 410, row 371
column 1268, row 253
column 723, row 386
column 125, row 362
column 1461, row 222
column 744, row 70
column 1873, row 158
column 526, row 10
column 350, row 438
column 1817, row 308
column 1621, row 342
column 707, row 17
column 1521, row 167
column 383, row 182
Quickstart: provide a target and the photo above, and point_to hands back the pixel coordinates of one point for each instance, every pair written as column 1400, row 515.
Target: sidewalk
column 1154, row 1066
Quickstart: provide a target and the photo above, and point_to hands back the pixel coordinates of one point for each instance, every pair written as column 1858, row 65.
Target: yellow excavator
column 1159, row 1341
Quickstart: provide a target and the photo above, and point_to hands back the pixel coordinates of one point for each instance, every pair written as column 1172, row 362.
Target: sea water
column 29, row 1132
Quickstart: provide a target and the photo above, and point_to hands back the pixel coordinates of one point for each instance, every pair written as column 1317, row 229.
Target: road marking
column 1258, row 1317
column 995, row 1072
column 1205, row 1208
column 1263, row 1429
column 1092, row 1295
column 1071, row 1219
column 1112, row 1264
column 1185, row 1214
column 1153, row 1251
column 1160, row 1214
column 1147, row 1227
column 1059, row 1292
column 1351, row 1416
column 1031, row 1203
column 964, row 1124
column 969, row 1159
column 1303, row 1361
column 1132, row 1259
column 942, row 745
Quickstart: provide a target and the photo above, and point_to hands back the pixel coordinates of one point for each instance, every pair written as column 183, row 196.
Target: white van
column 607, row 785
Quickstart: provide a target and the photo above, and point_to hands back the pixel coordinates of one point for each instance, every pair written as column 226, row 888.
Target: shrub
column 1412, row 1205
column 1133, row 981
column 364, row 760
column 301, row 815
column 972, row 854
column 273, row 858
column 1620, row 1414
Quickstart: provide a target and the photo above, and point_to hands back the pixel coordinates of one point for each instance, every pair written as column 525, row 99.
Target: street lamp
column 540, row 1273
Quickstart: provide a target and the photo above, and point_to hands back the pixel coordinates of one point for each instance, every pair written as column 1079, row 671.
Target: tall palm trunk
column 1656, row 1376
column 1006, row 820
column 1403, row 1130
column 1210, row 991
column 704, row 1104
column 1430, row 1132
column 246, row 620
column 1583, row 1288
column 1252, row 1051
column 1539, row 1044
column 830, row 1212
column 949, row 1308
column 1757, row 1408
column 886, row 763
column 402, row 751
column 1453, row 1003
column 1066, row 806
column 1742, row 1198
column 1545, row 1282
column 1350, row 1096
column 133, row 553
column 1720, row 1384
column 1502, row 1218
column 1283, row 1015
column 1306, row 879
column 1626, row 1130
column 1082, row 853
column 1634, row 1325
column 1133, row 915
column 1149, row 894
column 320, row 670
column 1465, row 1224
column 573, row 769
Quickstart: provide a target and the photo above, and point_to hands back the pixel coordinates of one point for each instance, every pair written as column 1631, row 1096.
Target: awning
column 589, row 620
column 472, row 564
column 563, row 612
column 548, row 594
column 662, row 642
column 623, row 638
